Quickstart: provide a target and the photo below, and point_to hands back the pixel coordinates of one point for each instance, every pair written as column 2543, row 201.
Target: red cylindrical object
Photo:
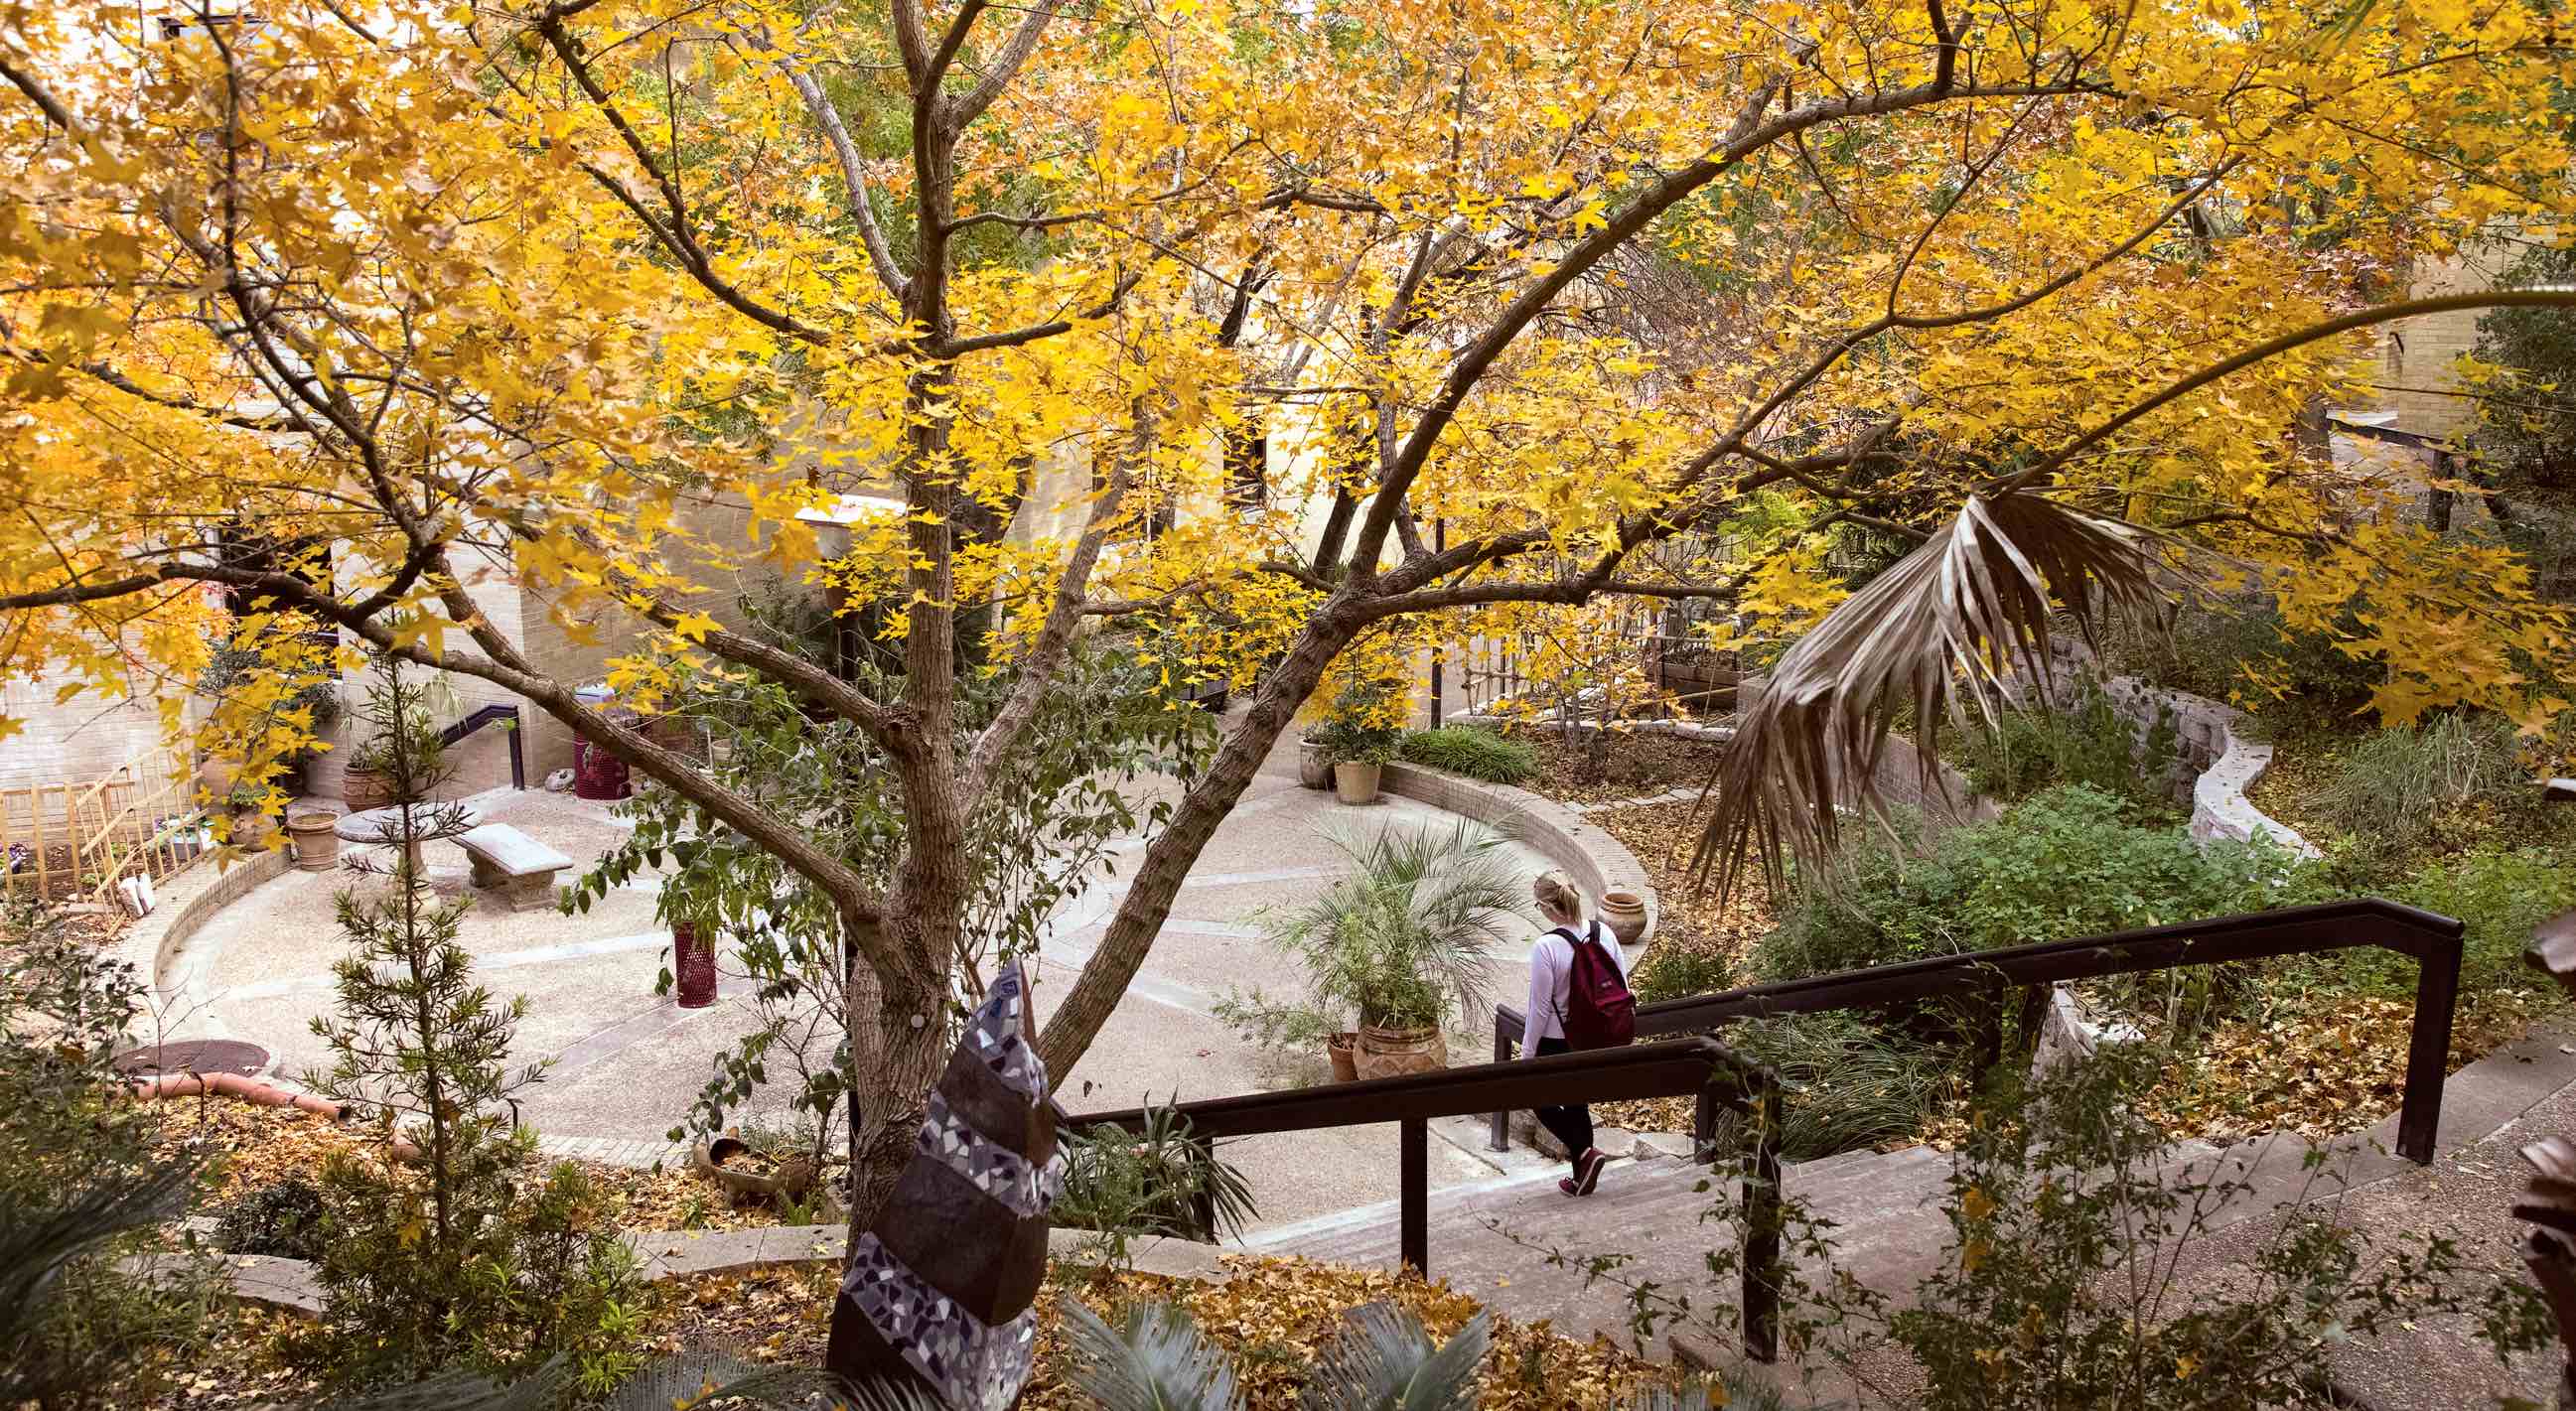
column 597, row 774
column 694, row 963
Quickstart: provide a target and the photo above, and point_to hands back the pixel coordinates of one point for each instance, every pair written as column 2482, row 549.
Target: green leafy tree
column 2524, row 365
column 1039, row 836
column 459, row 1251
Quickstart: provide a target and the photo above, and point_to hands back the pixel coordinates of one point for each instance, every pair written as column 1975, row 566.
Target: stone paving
column 627, row 1063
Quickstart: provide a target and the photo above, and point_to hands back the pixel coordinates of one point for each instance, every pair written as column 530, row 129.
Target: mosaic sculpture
column 939, row 1290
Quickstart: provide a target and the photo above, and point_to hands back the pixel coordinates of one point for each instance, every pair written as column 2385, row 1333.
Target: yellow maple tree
column 607, row 298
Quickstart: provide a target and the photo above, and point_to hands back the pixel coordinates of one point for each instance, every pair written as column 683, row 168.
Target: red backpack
column 1599, row 1011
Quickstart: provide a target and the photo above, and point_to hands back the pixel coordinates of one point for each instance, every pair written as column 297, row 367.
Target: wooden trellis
column 75, row 841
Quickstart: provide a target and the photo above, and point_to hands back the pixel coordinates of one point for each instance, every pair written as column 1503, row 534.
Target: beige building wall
column 76, row 741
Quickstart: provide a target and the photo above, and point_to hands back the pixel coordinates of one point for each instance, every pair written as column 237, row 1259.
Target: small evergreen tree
column 459, row 1252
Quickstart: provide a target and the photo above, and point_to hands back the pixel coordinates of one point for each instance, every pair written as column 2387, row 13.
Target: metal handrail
column 2432, row 940
column 483, row 717
column 1697, row 1066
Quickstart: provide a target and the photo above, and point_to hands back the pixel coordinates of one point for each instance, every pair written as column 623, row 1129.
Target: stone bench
column 519, row 867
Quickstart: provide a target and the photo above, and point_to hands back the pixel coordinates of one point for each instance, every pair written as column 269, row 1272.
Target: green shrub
column 2501, row 893
column 2393, row 787
column 283, row 1219
column 2089, row 742
column 87, row 1179
column 1464, row 749
column 2222, row 650
column 1849, row 1083
column 2067, row 1281
column 2070, row 862
column 1671, row 973
column 1123, row 1186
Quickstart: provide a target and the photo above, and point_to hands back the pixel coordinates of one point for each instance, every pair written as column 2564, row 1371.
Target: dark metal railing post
column 1203, row 1189
column 1507, row 1027
column 1762, row 1220
column 1704, row 1108
column 1414, row 1221
column 2428, row 1048
column 1989, row 1023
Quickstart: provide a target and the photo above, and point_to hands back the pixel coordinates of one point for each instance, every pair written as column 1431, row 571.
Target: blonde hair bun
column 1556, row 895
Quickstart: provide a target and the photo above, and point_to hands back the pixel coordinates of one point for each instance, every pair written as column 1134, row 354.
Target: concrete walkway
column 627, row 1063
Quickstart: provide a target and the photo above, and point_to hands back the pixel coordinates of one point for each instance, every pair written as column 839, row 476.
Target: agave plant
column 1935, row 634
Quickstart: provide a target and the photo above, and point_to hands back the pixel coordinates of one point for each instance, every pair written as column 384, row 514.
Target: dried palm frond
column 1936, row 632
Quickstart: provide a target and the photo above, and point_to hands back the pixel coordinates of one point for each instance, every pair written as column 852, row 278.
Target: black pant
column 1572, row 1125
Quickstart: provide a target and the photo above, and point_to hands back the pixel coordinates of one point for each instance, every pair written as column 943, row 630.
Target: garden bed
column 258, row 1147
column 1270, row 1316
column 1629, row 764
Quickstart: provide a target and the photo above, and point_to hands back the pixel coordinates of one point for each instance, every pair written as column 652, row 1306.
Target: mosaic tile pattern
column 971, row 1366
column 996, row 1170
column 997, row 1035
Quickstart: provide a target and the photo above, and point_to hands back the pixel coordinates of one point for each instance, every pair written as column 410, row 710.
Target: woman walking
column 1578, row 999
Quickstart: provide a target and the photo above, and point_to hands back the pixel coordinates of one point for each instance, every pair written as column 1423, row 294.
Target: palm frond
column 38, row 1244
column 1936, row 632
column 1158, row 1362
column 1382, row 1360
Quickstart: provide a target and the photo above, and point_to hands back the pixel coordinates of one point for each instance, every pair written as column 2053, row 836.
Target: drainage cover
column 195, row 1056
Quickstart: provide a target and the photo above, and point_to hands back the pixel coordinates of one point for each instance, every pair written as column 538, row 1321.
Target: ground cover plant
column 1472, row 751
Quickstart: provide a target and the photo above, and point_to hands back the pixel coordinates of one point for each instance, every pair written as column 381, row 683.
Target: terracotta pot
column 317, row 846
column 1392, row 1053
column 1314, row 767
column 1625, row 914
column 1343, row 1049
column 1355, row 783
column 362, row 789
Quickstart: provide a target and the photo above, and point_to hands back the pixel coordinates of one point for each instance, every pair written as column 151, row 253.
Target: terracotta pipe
column 162, row 1086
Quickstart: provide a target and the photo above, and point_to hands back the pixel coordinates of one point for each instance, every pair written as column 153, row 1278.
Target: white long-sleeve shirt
column 1551, row 969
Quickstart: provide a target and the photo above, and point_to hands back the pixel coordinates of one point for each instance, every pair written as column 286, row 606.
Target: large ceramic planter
column 1392, row 1053
column 1625, row 914
column 1355, row 783
column 362, row 789
column 1314, row 767
column 317, row 845
column 1343, row 1051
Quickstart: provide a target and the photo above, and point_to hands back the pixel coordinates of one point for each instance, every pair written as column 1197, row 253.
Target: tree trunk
column 893, row 1062
column 1131, row 933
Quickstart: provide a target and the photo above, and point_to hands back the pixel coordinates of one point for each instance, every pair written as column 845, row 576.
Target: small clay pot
column 1343, row 1050
column 317, row 845
column 1625, row 914
column 1392, row 1053
column 1355, row 783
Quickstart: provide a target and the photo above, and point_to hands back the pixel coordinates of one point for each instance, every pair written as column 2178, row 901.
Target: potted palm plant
column 1358, row 736
column 1399, row 948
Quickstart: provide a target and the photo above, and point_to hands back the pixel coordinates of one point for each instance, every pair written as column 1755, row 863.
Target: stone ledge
column 1596, row 861
column 187, row 901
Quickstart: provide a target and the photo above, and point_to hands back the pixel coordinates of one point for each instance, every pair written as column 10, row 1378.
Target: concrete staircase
column 1492, row 1239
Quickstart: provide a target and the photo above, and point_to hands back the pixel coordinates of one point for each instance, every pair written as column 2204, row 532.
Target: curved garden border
column 1596, row 861
column 186, row 903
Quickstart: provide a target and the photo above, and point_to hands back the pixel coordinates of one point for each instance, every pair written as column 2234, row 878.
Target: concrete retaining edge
column 1596, row 861
column 187, row 901
column 288, row 1285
